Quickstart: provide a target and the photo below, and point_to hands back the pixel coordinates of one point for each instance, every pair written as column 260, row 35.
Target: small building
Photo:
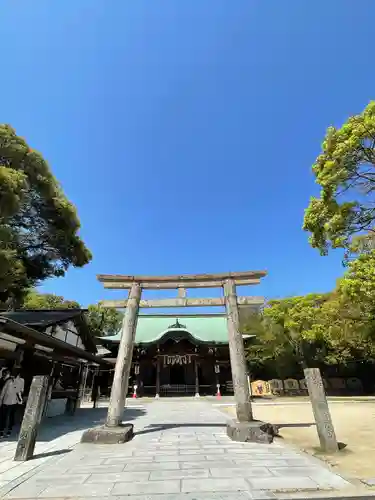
column 57, row 343
column 187, row 355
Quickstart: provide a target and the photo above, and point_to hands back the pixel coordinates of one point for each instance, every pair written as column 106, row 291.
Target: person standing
column 4, row 375
column 10, row 398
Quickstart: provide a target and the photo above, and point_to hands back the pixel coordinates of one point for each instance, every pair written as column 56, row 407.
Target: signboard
column 177, row 359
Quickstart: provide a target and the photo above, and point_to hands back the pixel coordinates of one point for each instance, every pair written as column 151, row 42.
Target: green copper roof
column 209, row 328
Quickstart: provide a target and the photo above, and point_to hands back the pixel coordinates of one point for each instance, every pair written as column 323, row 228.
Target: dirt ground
column 354, row 423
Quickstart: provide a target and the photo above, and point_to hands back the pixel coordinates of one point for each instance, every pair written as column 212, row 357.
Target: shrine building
column 184, row 355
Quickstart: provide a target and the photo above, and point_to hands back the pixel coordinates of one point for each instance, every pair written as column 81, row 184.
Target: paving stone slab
column 209, row 463
column 240, row 472
column 135, row 488
column 230, row 484
column 89, row 469
column 283, row 483
column 126, row 460
column 122, row 477
column 253, row 462
column 151, row 466
column 185, row 458
column 48, row 479
column 226, row 495
column 26, row 490
column 296, row 471
column 179, row 474
column 73, row 490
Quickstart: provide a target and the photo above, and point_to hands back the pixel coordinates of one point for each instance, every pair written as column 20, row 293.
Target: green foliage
column 345, row 172
column 35, row 300
column 103, row 321
column 38, row 225
column 270, row 351
column 358, row 282
column 315, row 330
column 346, row 330
column 294, row 319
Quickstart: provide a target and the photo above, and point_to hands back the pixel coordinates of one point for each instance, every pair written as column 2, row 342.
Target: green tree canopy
column 320, row 330
column 103, row 321
column 269, row 352
column 38, row 225
column 345, row 171
column 358, row 283
column 35, row 300
column 347, row 331
column 294, row 319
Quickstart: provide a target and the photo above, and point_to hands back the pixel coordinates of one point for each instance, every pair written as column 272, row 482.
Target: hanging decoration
column 177, row 359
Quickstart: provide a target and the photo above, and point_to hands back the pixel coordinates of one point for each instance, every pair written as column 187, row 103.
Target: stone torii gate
column 232, row 303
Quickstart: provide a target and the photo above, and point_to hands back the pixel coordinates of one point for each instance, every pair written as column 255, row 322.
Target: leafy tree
column 269, row 354
column 321, row 330
column 35, row 300
column 38, row 225
column 345, row 171
column 103, row 321
column 294, row 319
column 345, row 328
column 358, row 283
column 357, row 294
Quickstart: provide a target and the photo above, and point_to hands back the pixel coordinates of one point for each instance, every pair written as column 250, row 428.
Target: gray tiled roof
column 41, row 317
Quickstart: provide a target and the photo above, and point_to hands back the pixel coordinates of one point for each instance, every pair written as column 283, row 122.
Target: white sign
column 177, row 359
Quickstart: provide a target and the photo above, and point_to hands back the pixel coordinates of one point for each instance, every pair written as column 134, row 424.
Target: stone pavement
column 55, row 438
column 180, row 452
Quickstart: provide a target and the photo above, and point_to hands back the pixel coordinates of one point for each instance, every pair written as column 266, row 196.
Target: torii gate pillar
column 237, row 355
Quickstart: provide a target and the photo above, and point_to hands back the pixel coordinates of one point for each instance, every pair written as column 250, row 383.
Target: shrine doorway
column 177, row 375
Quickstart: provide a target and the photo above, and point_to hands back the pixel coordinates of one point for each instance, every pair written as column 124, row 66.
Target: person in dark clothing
column 10, row 398
column 4, row 375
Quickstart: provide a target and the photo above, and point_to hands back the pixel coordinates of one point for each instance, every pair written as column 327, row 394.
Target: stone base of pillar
column 197, row 395
column 250, row 432
column 108, row 435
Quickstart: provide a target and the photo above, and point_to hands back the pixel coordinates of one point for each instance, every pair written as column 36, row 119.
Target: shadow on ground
column 295, row 425
column 84, row 418
column 164, row 427
column 54, row 453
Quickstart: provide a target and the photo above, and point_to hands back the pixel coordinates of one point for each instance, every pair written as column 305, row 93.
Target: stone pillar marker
column 82, row 386
column 120, row 384
column 158, row 360
column 32, row 417
column 322, row 416
column 196, row 371
column 237, row 355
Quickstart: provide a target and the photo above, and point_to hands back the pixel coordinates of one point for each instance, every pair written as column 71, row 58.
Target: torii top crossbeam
column 119, row 281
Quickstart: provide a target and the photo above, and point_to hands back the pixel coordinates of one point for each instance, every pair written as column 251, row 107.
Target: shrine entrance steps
column 181, row 452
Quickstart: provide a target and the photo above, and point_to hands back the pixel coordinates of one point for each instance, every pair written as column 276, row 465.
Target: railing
column 177, row 389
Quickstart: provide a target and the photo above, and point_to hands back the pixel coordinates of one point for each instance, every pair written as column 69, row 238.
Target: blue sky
column 184, row 130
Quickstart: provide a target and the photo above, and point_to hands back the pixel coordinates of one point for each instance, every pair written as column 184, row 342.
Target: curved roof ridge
column 203, row 328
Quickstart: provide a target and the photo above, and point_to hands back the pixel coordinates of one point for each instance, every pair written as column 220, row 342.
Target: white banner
column 177, row 359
